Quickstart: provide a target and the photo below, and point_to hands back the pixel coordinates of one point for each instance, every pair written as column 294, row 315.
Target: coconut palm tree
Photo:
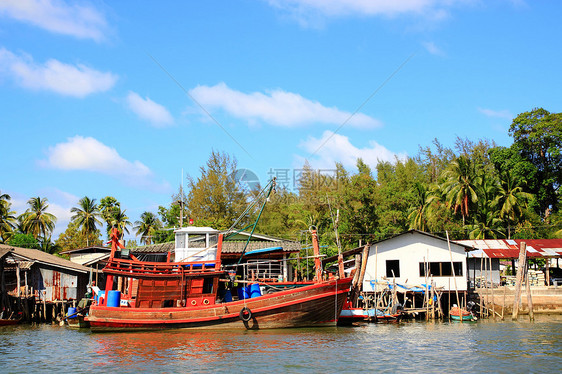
column 120, row 219
column 146, row 227
column 511, row 199
column 36, row 220
column 487, row 225
column 461, row 185
column 419, row 212
column 7, row 217
column 86, row 215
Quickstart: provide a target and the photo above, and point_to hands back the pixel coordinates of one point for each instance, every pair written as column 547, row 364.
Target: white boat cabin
column 416, row 258
column 196, row 244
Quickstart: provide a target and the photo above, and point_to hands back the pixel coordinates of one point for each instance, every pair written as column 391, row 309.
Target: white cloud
column 276, row 107
column 433, row 49
column 80, row 153
column 80, row 21
column 331, row 148
column 505, row 114
column 148, row 110
column 65, row 79
column 303, row 9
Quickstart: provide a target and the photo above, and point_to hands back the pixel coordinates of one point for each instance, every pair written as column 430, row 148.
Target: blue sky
column 117, row 98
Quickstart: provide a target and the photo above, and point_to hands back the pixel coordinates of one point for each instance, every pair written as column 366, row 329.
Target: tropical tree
column 24, row 241
column 121, row 221
column 537, row 137
column 510, row 199
column 108, row 206
column 487, row 225
column 461, row 185
column 86, row 215
column 147, row 226
column 417, row 214
column 36, row 220
column 7, row 218
column 73, row 237
column 215, row 197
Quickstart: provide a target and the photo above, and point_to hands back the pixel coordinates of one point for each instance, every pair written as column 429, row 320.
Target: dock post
column 529, row 297
column 520, row 269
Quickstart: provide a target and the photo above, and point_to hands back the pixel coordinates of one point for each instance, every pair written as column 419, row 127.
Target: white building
column 414, row 258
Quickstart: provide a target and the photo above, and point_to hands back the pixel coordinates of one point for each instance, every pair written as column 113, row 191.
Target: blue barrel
column 113, row 298
column 227, row 296
column 255, row 290
column 70, row 312
column 243, row 293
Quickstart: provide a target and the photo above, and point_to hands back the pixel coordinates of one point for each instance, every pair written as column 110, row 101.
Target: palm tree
column 510, row 199
column 418, row 213
column 120, row 219
column 146, row 227
column 7, row 218
column 36, row 220
column 86, row 215
column 487, row 225
column 461, row 185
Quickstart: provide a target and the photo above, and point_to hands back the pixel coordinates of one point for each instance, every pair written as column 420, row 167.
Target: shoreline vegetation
column 474, row 190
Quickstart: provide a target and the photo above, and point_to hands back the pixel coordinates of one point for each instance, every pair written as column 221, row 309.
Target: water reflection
column 409, row 347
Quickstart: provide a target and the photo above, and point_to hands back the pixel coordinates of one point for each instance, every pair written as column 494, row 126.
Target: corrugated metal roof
column 227, row 246
column 505, row 248
column 42, row 257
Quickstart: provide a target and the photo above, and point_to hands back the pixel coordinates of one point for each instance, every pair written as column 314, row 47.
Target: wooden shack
column 38, row 284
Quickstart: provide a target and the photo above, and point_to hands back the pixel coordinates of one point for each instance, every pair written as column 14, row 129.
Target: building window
column 440, row 269
column 392, row 268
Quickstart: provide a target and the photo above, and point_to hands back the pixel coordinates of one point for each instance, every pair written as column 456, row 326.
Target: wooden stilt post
column 492, row 289
column 503, row 304
column 482, row 302
column 529, row 297
column 519, row 278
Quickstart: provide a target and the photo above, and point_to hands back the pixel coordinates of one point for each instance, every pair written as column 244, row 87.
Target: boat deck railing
column 138, row 268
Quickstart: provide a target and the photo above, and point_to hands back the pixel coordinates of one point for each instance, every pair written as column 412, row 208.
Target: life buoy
column 245, row 314
column 206, row 301
column 193, row 302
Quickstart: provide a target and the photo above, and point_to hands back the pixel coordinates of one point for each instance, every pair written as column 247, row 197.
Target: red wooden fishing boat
column 184, row 295
column 194, row 294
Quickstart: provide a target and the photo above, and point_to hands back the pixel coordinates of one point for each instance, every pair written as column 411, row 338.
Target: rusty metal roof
column 509, row 248
column 37, row 256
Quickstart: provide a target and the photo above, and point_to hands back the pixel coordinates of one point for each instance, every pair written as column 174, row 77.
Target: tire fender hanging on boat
column 245, row 314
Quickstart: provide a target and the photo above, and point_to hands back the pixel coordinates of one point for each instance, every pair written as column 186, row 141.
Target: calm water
column 485, row 346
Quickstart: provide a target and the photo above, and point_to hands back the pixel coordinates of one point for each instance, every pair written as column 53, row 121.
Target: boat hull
column 310, row 305
column 353, row 315
column 9, row 322
column 78, row 322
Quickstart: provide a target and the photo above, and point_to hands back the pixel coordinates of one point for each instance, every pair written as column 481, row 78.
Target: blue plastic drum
column 255, row 290
column 113, row 298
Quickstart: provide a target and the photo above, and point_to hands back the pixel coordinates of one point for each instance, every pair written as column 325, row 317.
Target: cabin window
column 440, row 269
column 392, row 268
column 197, row 241
column 208, row 285
column 180, row 238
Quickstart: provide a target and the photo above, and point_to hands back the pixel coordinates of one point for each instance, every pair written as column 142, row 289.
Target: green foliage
column 537, row 137
column 86, row 215
column 7, row 218
column 147, row 226
column 73, row 237
column 215, row 197
column 36, row 220
column 24, row 241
